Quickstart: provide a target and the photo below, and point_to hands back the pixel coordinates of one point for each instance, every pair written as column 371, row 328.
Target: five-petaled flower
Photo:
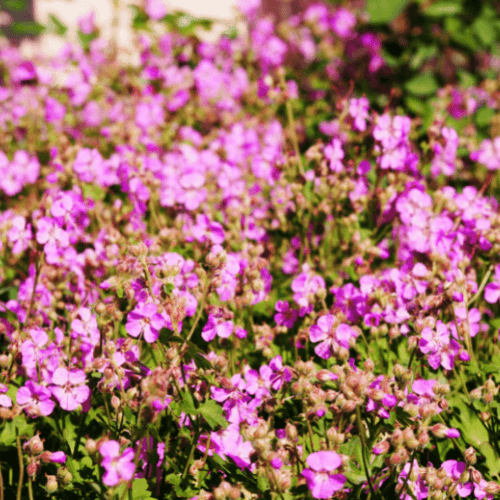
column 320, row 478
column 118, row 466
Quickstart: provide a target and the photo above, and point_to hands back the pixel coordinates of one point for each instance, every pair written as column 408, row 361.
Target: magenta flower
column 319, row 477
column 19, row 234
column 69, row 388
column 36, row 399
column 285, row 315
column 117, row 467
column 331, row 338
column 145, row 319
column 216, row 326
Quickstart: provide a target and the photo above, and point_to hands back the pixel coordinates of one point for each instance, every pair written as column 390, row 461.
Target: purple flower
column 36, row 399
column 216, row 326
column 146, row 320
column 118, row 467
column 319, row 477
column 358, row 110
column 285, row 316
column 69, row 388
column 19, row 234
column 331, row 338
column 156, row 9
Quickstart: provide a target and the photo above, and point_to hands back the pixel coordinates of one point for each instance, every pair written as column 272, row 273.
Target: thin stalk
column 291, row 125
column 363, row 451
column 30, row 489
column 33, row 292
column 310, row 432
column 206, row 286
column 191, row 453
column 482, row 285
column 1, row 483
column 21, row 467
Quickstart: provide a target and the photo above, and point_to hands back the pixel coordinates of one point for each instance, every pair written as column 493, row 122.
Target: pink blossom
column 118, row 466
column 320, row 480
column 69, row 388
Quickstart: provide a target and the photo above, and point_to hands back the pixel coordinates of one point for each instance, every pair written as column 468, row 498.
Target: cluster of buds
column 486, row 393
column 36, row 455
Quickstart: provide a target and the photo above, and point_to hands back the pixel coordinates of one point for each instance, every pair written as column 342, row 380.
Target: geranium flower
column 145, row 319
column 319, row 477
column 331, row 338
column 69, row 388
column 117, row 466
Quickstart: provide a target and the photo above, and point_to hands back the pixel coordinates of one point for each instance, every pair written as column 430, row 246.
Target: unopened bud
column 51, row 486
column 470, row 455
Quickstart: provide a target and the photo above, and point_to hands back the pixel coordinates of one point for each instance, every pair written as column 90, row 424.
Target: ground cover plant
column 252, row 268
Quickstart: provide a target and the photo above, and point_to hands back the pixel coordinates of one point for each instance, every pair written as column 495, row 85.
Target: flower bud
column 492, row 488
column 90, row 446
column 33, row 468
column 51, row 486
column 470, row 455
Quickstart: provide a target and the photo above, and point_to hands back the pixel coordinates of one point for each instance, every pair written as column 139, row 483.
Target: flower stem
column 21, row 467
column 363, row 451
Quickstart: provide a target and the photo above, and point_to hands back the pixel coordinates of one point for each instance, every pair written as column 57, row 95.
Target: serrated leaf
column 140, row 489
column 8, row 434
column 422, row 84
column 213, row 414
column 187, row 405
column 444, row 8
column 384, row 11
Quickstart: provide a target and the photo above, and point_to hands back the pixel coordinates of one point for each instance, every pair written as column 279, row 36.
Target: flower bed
column 246, row 269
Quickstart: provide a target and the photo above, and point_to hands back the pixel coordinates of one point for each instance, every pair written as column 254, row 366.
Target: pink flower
column 35, row 399
column 87, row 23
column 69, row 388
column 331, row 338
column 319, row 477
column 145, row 319
column 156, row 9
column 117, row 467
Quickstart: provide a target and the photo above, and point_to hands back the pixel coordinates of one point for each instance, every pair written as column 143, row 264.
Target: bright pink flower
column 118, row 467
column 319, row 477
column 145, row 319
column 69, row 388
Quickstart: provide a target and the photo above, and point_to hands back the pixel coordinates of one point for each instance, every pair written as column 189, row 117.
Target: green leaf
column 384, row 11
column 93, row 191
column 140, row 489
column 444, row 8
column 8, row 434
column 483, row 116
column 485, row 31
column 27, row 28
column 492, row 460
column 188, row 404
column 57, row 26
column 165, row 335
column 14, row 5
column 169, row 288
column 422, row 84
column 213, row 414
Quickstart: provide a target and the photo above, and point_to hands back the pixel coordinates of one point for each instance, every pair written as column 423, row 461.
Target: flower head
column 319, row 477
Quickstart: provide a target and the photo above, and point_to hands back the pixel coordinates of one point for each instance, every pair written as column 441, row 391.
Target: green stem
column 363, row 451
column 21, row 467
column 482, row 285
column 30, row 488
column 291, row 124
